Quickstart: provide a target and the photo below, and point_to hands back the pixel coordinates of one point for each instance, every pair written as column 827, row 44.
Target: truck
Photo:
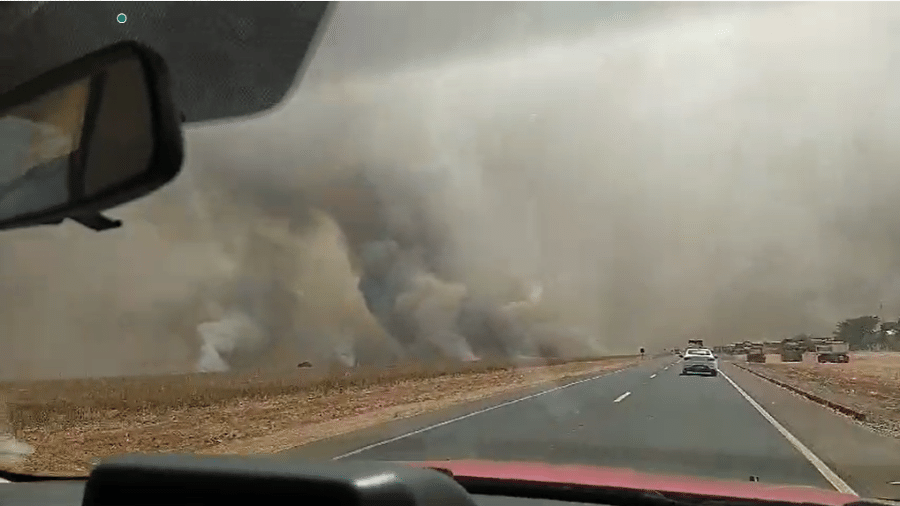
column 792, row 351
column 756, row 353
column 772, row 347
column 695, row 343
column 836, row 352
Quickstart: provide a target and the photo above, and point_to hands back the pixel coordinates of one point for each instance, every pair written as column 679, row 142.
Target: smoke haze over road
column 722, row 172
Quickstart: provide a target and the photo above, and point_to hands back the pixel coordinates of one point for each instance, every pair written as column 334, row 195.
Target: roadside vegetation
column 71, row 423
column 869, row 383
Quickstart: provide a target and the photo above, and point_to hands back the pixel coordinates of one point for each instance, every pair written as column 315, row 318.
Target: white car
column 699, row 360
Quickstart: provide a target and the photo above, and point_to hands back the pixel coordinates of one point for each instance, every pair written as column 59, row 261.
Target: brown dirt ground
column 869, row 383
column 72, row 423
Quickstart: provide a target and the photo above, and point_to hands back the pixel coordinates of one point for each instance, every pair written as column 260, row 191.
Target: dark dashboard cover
column 182, row 479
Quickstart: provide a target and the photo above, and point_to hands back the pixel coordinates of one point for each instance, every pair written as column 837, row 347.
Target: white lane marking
column 652, row 376
column 820, row 466
column 469, row 415
column 622, row 397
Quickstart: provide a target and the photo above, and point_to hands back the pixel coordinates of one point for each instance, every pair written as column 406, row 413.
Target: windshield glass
column 463, row 206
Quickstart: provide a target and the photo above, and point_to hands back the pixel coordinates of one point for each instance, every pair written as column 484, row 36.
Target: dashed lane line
column 474, row 413
column 622, row 397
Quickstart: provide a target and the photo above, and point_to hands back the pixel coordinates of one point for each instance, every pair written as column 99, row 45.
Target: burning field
column 571, row 197
column 575, row 197
column 69, row 424
column 560, row 199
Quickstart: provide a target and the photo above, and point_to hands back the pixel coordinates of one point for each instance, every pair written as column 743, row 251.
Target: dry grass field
column 70, row 423
column 870, row 383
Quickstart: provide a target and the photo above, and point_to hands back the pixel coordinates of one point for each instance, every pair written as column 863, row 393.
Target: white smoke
column 433, row 307
column 717, row 173
column 236, row 332
column 13, row 451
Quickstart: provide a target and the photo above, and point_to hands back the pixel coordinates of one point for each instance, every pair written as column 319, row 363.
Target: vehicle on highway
column 93, row 135
column 756, row 353
column 699, row 360
column 835, row 352
column 792, row 351
column 741, row 348
column 772, row 347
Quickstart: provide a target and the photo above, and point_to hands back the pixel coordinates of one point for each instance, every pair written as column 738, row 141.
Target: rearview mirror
column 87, row 136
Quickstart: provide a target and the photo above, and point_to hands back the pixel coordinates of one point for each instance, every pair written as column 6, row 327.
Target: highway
column 651, row 419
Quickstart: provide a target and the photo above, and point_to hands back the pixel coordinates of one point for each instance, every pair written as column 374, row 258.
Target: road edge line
column 839, row 484
column 840, row 408
column 477, row 412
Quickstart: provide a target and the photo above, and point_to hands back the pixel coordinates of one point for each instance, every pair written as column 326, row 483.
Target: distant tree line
column 869, row 333
column 866, row 333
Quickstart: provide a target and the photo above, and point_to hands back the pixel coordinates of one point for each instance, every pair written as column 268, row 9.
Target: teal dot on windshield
column 121, row 18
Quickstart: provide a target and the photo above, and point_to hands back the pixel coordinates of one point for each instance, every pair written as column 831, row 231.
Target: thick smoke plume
column 728, row 174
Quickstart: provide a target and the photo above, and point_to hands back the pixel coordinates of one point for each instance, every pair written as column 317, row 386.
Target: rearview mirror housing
column 87, row 136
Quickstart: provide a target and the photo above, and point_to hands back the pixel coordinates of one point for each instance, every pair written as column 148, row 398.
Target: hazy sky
column 376, row 37
column 727, row 170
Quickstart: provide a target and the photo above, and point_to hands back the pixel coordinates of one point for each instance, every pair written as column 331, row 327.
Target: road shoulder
column 866, row 460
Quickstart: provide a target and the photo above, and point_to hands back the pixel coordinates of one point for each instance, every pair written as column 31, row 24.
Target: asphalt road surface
column 649, row 418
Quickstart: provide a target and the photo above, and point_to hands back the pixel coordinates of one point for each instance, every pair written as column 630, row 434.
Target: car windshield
column 483, row 231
